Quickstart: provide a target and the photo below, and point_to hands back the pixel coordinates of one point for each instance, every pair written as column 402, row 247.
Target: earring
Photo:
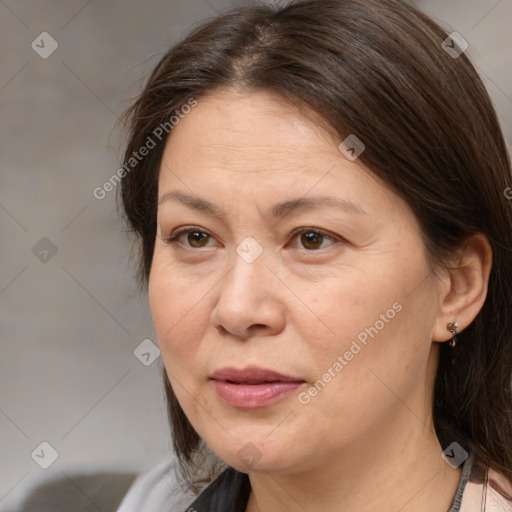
column 452, row 327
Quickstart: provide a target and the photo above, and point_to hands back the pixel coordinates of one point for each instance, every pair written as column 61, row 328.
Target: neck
column 399, row 470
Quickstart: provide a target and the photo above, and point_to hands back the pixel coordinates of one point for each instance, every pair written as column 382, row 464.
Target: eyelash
column 173, row 238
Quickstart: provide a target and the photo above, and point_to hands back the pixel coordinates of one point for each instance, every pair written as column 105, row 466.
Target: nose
column 250, row 301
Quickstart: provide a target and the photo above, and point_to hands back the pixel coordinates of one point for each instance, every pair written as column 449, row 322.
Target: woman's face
column 347, row 313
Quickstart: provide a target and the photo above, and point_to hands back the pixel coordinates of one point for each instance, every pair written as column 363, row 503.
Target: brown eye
column 195, row 238
column 312, row 239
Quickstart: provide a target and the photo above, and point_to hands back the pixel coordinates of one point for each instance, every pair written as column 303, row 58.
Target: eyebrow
column 277, row 211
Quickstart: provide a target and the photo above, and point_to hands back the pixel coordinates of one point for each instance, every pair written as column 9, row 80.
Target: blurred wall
column 71, row 318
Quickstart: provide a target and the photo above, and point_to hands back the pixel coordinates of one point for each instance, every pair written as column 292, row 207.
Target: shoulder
column 156, row 490
column 499, row 492
column 229, row 492
column 486, row 490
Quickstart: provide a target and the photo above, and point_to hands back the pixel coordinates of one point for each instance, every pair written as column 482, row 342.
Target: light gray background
column 69, row 326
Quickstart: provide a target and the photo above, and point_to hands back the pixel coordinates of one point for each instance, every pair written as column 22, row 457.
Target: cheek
column 354, row 302
column 384, row 347
column 180, row 318
column 377, row 318
column 179, row 310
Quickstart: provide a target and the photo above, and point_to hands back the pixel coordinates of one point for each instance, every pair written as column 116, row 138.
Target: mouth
column 253, row 387
column 252, row 376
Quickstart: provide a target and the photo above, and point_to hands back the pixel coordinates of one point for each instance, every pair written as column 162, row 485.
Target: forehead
column 249, row 132
column 245, row 149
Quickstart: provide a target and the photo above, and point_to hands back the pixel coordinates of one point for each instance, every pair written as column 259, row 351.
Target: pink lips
column 253, row 387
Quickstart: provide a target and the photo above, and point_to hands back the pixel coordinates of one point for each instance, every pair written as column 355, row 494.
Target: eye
column 312, row 238
column 194, row 236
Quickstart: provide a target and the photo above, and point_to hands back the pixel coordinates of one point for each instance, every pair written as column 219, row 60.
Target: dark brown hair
column 377, row 69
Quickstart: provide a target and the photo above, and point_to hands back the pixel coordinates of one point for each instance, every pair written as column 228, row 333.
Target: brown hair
column 376, row 69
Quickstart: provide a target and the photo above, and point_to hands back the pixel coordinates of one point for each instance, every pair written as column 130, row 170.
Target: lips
column 252, row 375
column 253, row 387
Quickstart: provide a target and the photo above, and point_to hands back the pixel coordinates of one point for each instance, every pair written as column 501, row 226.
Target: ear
column 464, row 287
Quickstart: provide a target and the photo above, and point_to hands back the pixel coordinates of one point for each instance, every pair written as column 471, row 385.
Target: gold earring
column 452, row 327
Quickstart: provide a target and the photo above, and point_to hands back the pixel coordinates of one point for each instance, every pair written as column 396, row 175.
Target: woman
column 323, row 229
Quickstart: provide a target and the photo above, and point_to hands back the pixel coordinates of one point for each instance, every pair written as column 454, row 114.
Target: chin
column 255, row 465
column 257, row 455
